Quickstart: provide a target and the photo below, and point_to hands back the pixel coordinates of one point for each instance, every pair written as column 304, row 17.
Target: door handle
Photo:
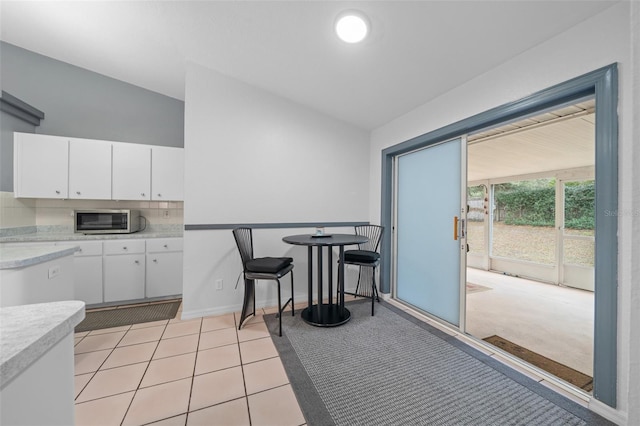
column 455, row 228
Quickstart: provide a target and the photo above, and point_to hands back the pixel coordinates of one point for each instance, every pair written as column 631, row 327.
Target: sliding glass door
column 430, row 240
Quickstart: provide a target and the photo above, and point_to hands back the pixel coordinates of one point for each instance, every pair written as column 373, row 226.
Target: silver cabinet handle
column 165, row 246
column 57, row 192
column 78, row 192
column 155, row 260
column 142, row 193
column 137, row 262
column 159, row 195
column 124, row 248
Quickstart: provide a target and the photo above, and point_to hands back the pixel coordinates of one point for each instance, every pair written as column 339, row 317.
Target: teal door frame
column 603, row 85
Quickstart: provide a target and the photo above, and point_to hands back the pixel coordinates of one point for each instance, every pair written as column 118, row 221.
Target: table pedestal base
column 331, row 315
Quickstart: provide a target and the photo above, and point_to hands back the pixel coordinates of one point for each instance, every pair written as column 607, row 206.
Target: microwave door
column 102, row 221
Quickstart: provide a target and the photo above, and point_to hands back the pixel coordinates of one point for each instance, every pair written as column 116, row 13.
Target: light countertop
column 29, row 331
column 17, row 256
column 62, row 233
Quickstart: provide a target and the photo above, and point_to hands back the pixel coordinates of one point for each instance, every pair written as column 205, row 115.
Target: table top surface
column 326, row 240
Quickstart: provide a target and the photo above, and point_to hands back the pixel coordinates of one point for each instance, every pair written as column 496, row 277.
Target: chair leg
column 279, row 311
column 249, row 300
column 374, row 291
column 355, row 293
column 293, row 312
column 373, row 300
column 375, row 287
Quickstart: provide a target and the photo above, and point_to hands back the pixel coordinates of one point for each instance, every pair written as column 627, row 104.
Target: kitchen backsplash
column 25, row 212
column 16, row 212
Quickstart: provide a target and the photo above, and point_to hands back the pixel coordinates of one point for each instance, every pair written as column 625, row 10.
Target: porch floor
column 553, row 321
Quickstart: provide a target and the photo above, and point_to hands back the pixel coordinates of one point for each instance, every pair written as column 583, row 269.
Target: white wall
column 254, row 157
column 595, row 43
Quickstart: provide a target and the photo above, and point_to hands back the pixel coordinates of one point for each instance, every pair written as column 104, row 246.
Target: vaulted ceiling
column 417, row 49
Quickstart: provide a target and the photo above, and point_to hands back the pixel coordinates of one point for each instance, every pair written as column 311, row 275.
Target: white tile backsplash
column 16, row 212
column 20, row 212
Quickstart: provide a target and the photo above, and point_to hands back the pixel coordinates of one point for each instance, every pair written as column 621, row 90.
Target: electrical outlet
column 218, row 284
column 165, row 214
column 54, row 271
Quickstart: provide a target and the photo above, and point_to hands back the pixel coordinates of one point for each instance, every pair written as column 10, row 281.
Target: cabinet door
column 167, row 173
column 89, row 169
column 124, row 277
column 40, row 166
column 88, row 279
column 87, row 271
column 131, row 172
column 164, row 274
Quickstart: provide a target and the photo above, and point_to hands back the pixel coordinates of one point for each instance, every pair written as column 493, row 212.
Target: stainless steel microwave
column 107, row 221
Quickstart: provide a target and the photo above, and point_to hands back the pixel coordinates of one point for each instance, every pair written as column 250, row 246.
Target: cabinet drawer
column 124, row 247
column 89, row 248
column 160, row 245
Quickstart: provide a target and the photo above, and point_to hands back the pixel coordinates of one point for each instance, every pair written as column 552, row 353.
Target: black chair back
column 244, row 241
column 373, row 232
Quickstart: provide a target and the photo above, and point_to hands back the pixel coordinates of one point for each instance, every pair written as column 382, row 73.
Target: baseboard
column 218, row 310
column 385, row 296
column 609, row 413
column 227, row 309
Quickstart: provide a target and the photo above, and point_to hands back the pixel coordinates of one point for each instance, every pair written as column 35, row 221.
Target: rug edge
column 312, row 406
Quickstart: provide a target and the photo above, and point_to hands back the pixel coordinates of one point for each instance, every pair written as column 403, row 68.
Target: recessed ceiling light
column 352, row 26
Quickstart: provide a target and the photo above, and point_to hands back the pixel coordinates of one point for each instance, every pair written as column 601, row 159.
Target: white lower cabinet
column 106, row 271
column 124, row 270
column 88, row 272
column 164, row 267
column 164, row 274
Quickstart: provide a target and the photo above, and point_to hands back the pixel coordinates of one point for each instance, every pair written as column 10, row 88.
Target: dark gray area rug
column 126, row 316
column 392, row 369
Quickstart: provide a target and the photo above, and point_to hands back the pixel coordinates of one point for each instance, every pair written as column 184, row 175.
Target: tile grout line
column 193, row 376
column 244, row 381
column 98, row 369
column 143, row 374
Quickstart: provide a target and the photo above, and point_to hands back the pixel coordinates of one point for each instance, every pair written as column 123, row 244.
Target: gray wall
column 8, row 125
column 84, row 104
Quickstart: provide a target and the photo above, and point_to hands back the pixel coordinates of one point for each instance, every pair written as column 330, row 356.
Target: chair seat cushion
column 361, row 256
column 269, row 265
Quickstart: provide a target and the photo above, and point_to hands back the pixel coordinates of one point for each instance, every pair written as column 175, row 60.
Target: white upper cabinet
column 167, row 173
column 41, row 165
column 89, row 169
column 131, row 172
column 60, row 167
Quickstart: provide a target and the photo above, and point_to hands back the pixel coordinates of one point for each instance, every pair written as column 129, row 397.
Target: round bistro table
column 326, row 314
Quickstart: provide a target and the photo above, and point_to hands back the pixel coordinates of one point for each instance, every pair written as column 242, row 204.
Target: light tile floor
column 195, row 372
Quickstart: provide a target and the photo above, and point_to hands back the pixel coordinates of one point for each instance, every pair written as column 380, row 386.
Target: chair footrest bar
column 358, row 294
